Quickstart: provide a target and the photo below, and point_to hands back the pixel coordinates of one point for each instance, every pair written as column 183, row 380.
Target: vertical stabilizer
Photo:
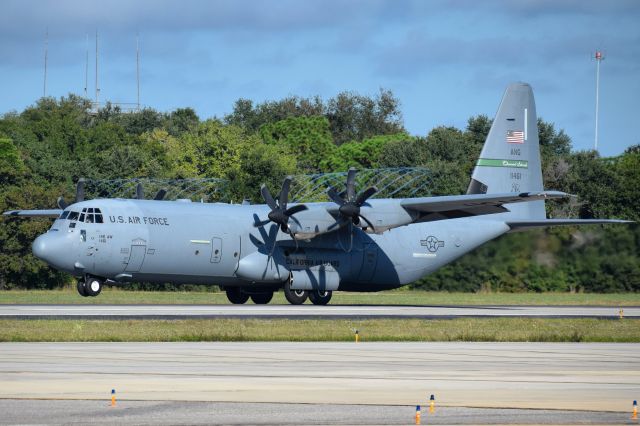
column 510, row 157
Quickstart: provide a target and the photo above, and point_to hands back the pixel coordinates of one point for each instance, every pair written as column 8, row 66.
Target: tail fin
column 510, row 158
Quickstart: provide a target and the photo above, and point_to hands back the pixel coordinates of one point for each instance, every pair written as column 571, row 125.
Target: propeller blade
column 335, row 224
column 364, row 196
column 160, row 195
column 267, row 197
column 261, row 223
column 373, row 228
column 80, row 190
column 351, row 184
column 62, row 203
column 139, row 191
column 284, row 193
column 295, row 209
column 335, row 197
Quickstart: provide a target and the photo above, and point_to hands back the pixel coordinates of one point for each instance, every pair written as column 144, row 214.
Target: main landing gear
column 295, row 297
column 238, row 296
column 320, row 297
column 90, row 286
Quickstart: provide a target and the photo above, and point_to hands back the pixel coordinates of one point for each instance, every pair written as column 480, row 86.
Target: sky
column 444, row 60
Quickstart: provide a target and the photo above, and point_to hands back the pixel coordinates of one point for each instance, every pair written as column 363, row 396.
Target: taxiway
column 307, row 311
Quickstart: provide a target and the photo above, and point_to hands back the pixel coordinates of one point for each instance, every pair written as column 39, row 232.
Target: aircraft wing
column 34, row 213
column 521, row 225
column 455, row 206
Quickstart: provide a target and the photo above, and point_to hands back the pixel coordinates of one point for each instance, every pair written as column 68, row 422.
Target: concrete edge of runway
column 296, row 317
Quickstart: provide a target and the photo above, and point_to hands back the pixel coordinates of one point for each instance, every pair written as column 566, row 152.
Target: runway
column 560, row 376
column 206, row 413
column 307, row 311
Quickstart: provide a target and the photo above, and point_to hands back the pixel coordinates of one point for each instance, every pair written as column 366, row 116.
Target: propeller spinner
column 279, row 213
column 349, row 202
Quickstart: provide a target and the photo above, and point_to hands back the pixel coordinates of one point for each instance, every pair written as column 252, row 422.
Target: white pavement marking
column 403, row 311
column 569, row 376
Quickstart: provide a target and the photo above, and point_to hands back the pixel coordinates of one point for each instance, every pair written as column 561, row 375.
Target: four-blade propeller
column 279, row 213
column 62, row 204
column 349, row 202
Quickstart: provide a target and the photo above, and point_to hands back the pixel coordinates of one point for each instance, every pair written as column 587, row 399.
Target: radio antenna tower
column 138, row 68
column 97, row 88
column 86, row 70
column 46, row 54
column 598, row 57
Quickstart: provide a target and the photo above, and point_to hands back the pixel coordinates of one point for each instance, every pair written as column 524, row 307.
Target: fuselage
column 185, row 242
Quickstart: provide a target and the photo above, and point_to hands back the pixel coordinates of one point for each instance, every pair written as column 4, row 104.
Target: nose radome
column 39, row 247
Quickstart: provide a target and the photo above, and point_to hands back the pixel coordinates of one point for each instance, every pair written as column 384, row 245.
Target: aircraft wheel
column 319, row 297
column 93, row 287
column 295, row 297
column 81, row 288
column 262, row 298
column 236, row 295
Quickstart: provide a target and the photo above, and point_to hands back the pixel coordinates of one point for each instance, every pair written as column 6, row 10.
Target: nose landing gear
column 90, row 286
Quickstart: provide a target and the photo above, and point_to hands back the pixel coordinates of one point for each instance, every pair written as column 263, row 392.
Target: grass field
column 396, row 297
column 462, row 329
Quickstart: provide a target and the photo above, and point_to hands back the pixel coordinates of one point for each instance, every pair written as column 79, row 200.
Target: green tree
column 308, row 137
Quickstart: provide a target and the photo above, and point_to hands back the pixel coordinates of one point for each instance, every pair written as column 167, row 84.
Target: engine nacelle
column 261, row 268
column 314, row 279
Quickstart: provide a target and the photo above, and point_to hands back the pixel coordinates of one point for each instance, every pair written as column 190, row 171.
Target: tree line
column 47, row 147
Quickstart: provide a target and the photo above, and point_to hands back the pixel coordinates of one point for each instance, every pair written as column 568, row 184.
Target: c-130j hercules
column 352, row 243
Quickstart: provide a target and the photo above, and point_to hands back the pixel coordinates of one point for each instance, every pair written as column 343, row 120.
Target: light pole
column 598, row 57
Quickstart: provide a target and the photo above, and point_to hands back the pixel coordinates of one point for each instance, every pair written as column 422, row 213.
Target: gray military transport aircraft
column 309, row 250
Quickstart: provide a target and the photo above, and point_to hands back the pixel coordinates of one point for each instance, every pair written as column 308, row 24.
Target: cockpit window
column 64, row 214
column 73, row 216
column 81, row 218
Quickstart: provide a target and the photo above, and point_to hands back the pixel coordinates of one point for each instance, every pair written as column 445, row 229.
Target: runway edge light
column 417, row 414
column 432, row 404
column 113, row 397
column 634, row 414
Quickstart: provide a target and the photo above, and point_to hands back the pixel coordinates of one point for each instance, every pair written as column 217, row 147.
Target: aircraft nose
column 40, row 247
column 53, row 250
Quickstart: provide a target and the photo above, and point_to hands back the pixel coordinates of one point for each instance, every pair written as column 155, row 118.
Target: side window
column 98, row 217
column 81, row 219
column 64, row 214
column 73, row 216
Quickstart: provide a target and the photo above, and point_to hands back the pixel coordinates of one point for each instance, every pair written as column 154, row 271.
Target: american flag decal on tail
column 515, row 136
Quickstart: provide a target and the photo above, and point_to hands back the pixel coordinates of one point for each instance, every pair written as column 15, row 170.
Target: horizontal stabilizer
column 521, row 225
column 454, row 206
column 34, row 213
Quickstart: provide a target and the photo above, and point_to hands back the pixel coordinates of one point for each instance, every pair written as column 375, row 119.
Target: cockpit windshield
column 73, row 216
column 88, row 215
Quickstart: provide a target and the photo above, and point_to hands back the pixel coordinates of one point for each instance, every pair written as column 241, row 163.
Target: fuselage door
column 216, row 249
column 136, row 255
